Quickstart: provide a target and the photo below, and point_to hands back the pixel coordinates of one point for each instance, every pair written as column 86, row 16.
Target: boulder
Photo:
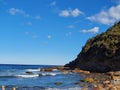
column 29, row 72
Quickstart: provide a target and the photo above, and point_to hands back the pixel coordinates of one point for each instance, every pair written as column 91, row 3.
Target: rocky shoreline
column 90, row 80
column 97, row 81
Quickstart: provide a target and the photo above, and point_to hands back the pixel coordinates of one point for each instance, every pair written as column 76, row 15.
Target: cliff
column 100, row 53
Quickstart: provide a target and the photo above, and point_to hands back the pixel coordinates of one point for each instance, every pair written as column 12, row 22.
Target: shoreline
column 86, row 80
column 98, row 81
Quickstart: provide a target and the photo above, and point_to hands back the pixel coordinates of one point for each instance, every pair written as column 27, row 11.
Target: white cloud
column 35, row 36
column 76, row 12
column 107, row 17
column 37, row 17
column 93, row 30
column 68, row 12
column 49, row 36
column 27, row 33
column 70, row 26
column 64, row 13
column 69, row 34
column 53, row 3
column 29, row 23
column 14, row 11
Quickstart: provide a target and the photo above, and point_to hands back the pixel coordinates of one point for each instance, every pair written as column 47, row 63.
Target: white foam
column 28, row 76
column 48, row 74
column 33, row 70
column 55, row 70
column 76, row 88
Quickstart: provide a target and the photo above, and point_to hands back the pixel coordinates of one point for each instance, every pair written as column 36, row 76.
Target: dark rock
column 58, row 83
column 77, row 83
column 101, row 53
column 29, row 72
column 46, row 69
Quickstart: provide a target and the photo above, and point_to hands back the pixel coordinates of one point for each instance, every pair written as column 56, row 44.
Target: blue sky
column 51, row 31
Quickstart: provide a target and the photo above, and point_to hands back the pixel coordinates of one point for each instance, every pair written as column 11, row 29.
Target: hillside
column 100, row 53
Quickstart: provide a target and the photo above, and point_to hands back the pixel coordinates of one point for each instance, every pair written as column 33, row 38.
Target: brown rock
column 29, row 72
column 106, row 82
column 113, row 88
column 118, row 87
column 46, row 69
column 115, row 80
column 98, row 87
column 108, row 86
column 117, row 73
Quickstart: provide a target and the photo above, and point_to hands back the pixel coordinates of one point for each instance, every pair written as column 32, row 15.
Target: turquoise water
column 16, row 76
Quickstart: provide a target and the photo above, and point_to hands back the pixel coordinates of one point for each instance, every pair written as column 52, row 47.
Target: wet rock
column 110, row 73
column 88, row 79
column 57, row 68
column 58, row 83
column 116, row 80
column 46, row 69
column 77, row 70
column 97, row 87
column 78, row 83
column 117, row 73
column 29, row 72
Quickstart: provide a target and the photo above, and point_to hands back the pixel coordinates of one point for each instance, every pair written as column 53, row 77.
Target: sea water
column 16, row 76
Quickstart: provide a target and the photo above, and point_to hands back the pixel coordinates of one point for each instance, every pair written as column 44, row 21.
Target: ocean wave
column 75, row 88
column 28, row 76
column 55, row 70
column 48, row 74
column 33, row 70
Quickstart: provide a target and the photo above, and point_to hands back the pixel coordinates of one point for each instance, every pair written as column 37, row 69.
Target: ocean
column 16, row 76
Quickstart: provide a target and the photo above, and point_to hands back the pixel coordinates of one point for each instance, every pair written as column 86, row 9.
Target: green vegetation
column 107, row 40
column 100, row 53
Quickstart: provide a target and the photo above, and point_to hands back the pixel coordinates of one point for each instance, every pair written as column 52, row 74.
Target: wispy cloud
column 70, row 26
column 29, row 23
column 69, row 34
column 69, row 12
column 37, row 17
column 35, row 36
column 32, row 35
column 92, row 30
column 27, row 33
column 53, row 3
column 14, row 11
column 49, row 36
column 107, row 17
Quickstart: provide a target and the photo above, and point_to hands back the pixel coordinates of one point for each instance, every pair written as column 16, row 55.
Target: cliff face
column 100, row 53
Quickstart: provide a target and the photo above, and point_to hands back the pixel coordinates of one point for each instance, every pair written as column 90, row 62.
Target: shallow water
column 16, row 76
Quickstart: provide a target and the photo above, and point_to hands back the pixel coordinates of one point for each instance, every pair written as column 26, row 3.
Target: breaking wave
column 27, row 76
